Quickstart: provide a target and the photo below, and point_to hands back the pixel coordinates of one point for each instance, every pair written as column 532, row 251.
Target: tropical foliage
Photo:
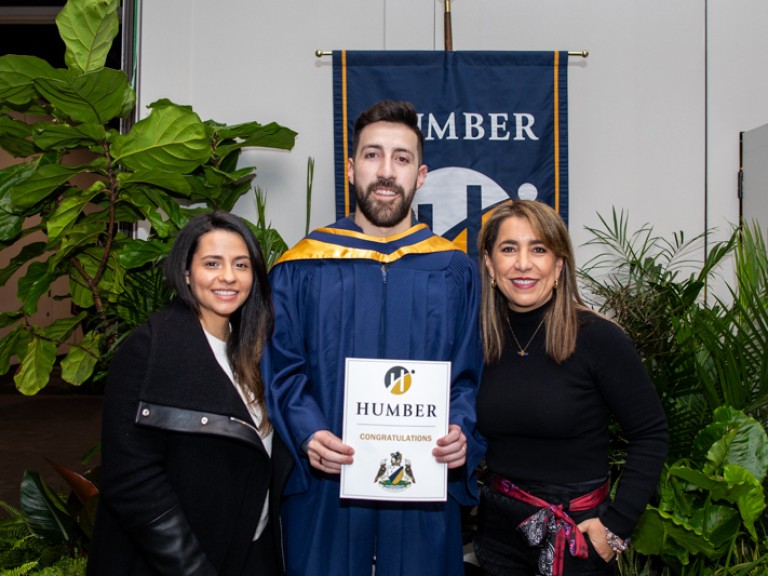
column 70, row 205
column 48, row 534
column 700, row 350
column 711, row 504
column 707, row 357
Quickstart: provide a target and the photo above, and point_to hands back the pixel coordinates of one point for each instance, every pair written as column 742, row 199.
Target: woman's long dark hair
column 253, row 322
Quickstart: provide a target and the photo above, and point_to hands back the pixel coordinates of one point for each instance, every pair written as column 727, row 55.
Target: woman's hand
column 595, row 530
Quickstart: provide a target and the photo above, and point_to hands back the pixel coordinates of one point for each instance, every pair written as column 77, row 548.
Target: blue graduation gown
column 340, row 293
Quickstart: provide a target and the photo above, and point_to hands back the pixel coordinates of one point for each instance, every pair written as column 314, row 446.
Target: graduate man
column 375, row 284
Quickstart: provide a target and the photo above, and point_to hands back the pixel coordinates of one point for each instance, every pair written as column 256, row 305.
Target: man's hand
column 328, row 453
column 452, row 448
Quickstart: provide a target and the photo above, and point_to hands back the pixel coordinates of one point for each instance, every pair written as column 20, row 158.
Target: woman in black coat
column 192, row 469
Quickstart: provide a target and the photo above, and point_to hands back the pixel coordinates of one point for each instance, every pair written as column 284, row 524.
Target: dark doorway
column 28, row 27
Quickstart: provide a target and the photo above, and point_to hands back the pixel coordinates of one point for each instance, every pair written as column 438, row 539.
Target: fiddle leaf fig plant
column 69, row 205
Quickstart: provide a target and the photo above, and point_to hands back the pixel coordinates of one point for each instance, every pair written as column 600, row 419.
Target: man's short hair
column 396, row 111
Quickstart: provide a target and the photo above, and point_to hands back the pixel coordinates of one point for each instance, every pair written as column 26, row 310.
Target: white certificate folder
column 394, row 412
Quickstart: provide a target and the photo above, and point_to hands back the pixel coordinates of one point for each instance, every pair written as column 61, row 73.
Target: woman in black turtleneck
column 556, row 373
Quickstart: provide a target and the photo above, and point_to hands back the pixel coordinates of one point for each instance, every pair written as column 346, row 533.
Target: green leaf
column 36, row 366
column 719, row 524
column 90, row 259
column 11, row 177
column 44, row 182
column 88, row 28
column 44, row 513
column 18, row 75
column 231, row 194
column 10, row 226
column 15, row 137
column 80, row 236
column 745, row 442
column 176, row 184
column 224, row 188
column 36, row 282
column 163, row 213
column 137, row 253
column 79, row 290
column 77, row 366
column 145, row 293
column 751, row 497
column 165, row 102
column 112, row 281
column 13, row 344
column 8, row 318
column 671, row 494
column 125, row 212
column 28, row 252
column 112, row 278
column 709, row 436
column 695, row 477
column 272, row 244
column 171, row 138
column 68, row 211
column 271, row 135
column 95, row 97
column 656, row 531
column 53, row 136
column 62, row 328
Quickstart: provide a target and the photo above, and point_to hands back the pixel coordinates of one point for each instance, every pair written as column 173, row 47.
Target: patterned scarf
column 551, row 527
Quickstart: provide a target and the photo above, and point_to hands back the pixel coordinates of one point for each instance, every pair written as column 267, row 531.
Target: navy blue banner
column 495, row 125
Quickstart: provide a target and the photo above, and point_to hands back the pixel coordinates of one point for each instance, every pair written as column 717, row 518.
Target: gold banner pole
column 580, row 53
column 447, row 28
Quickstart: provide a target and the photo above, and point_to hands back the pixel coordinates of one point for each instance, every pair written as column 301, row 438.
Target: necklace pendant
column 521, row 350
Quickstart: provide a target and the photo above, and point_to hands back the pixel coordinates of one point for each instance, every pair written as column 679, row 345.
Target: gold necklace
column 521, row 350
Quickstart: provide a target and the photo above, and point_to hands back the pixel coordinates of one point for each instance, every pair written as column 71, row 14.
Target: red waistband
column 583, row 502
column 536, row 528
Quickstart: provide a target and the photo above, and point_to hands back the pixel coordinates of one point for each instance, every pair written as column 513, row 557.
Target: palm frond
column 700, row 352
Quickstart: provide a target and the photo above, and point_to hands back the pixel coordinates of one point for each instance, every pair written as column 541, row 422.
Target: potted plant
column 81, row 185
column 708, row 358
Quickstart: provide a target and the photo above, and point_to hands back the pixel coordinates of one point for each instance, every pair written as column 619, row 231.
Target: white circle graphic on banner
column 446, row 189
column 527, row 191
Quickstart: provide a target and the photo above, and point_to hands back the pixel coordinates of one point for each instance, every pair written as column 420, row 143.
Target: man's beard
column 384, row 214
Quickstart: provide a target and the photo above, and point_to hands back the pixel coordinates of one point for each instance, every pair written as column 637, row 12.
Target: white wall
column 655, row 110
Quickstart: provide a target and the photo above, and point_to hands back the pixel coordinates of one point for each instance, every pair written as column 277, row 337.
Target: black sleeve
column 633, row 401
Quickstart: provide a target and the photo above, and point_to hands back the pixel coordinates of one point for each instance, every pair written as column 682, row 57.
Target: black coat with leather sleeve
column 184, row 472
